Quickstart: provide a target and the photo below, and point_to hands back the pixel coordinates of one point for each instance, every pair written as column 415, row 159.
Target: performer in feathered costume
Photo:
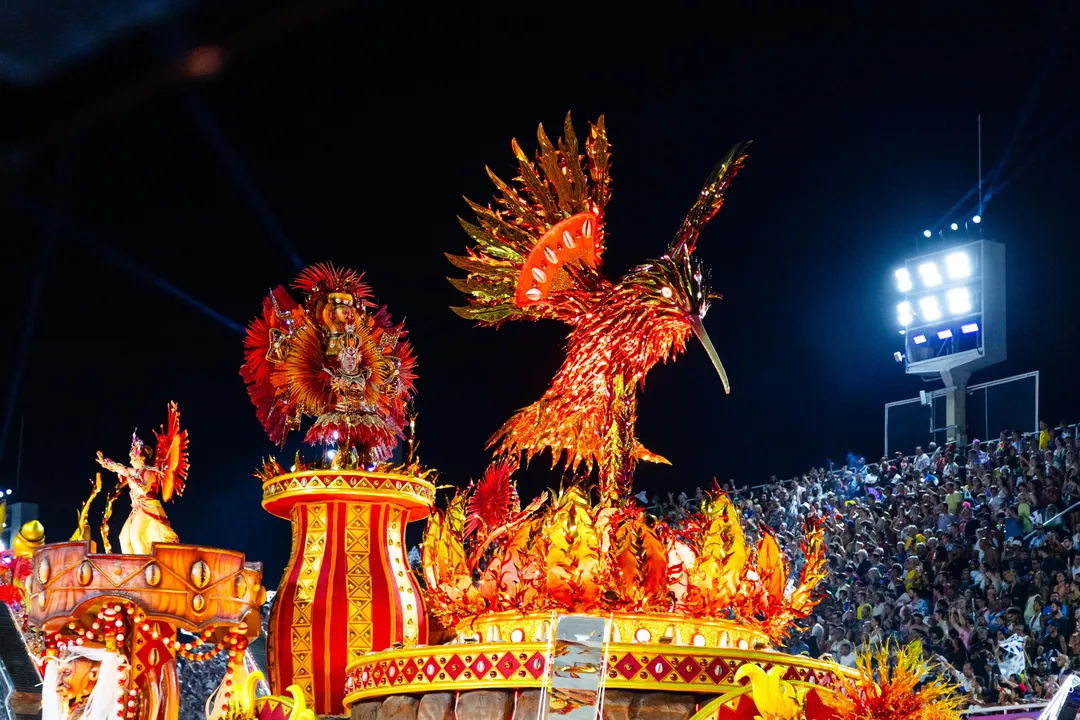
column 150, row 485
column 334, row 356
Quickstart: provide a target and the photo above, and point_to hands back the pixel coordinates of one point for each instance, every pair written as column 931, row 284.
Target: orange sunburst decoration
column 895, row 688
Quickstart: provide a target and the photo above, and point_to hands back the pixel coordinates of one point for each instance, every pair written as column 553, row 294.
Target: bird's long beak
column 699, row 330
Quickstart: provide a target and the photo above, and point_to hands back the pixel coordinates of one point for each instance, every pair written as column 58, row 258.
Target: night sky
column 359, row 133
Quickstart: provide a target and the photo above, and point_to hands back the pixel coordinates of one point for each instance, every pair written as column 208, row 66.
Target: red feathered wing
column 281, row 314
column 171, row 456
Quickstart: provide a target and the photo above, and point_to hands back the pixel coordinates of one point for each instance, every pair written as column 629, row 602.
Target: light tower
column 952, row 315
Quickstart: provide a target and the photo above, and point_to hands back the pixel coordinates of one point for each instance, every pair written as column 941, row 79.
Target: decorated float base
column 635, row 628
column 133, row 605
column 506, row 681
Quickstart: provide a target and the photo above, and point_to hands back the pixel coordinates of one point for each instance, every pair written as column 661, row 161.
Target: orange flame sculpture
column 571, row 556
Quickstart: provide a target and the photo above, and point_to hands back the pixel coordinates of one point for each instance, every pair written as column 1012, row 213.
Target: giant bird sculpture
column 538, row 255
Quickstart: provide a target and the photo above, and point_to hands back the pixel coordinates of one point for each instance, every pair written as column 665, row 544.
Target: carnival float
column 573, row 604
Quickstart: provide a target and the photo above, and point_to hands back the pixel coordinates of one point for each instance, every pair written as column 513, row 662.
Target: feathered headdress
column 137, row 445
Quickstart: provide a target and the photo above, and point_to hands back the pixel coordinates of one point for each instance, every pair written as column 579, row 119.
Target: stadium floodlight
column 958, row 300
column 903, row 280
column 954, row 227
column 930, row 275
column 957, row 297
column 927, row 233
column 977, row 219
column 958, row 265
column 931, row 309
column 905, row 313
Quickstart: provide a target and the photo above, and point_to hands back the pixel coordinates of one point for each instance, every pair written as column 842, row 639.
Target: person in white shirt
column 950, row 469
column 847, row 655
column 922, row 460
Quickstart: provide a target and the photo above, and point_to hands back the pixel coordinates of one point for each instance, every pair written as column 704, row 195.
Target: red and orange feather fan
column 171, row 456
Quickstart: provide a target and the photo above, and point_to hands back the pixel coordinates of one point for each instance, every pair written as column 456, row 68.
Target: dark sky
column 361, row 133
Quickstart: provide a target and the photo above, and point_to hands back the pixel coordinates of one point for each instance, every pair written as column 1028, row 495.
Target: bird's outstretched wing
column 710, row 199
column 171, row 455
column 542, row 243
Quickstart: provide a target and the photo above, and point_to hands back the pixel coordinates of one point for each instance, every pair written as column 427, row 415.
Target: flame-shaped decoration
column 901, row 689
column 571, row 556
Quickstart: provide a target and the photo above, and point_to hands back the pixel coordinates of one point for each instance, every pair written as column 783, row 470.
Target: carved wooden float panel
column 188, row 586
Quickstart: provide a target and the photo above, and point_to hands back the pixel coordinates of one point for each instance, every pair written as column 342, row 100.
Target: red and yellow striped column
column 347, row 589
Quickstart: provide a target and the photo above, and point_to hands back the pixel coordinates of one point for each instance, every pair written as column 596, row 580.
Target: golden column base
column 347, row 589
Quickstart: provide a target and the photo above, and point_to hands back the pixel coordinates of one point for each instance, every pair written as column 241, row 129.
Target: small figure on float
column 82, row 682
column 151, row 485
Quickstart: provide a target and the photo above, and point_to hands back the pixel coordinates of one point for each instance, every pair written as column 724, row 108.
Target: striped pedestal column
column 347, row 589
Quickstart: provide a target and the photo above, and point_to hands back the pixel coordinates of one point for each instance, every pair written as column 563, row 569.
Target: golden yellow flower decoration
column 242, row 705
column 776, row 698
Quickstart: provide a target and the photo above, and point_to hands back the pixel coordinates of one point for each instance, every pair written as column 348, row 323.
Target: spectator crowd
column 973, row 551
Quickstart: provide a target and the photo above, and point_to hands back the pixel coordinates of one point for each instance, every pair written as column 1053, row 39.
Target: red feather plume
column 280, row 313
column 326, row 277
column 10, row 595
column 493, row 499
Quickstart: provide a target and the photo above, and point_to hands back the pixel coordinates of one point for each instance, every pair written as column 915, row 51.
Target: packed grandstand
column 973, row 552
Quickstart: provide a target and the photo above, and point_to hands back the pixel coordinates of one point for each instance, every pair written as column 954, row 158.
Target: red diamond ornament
column 688, row 669
column 628, row 667
column 658, row 667
column 535, row 665
column 454, row 667
column 481, row 666
column 508, row 665
column 716, row 670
